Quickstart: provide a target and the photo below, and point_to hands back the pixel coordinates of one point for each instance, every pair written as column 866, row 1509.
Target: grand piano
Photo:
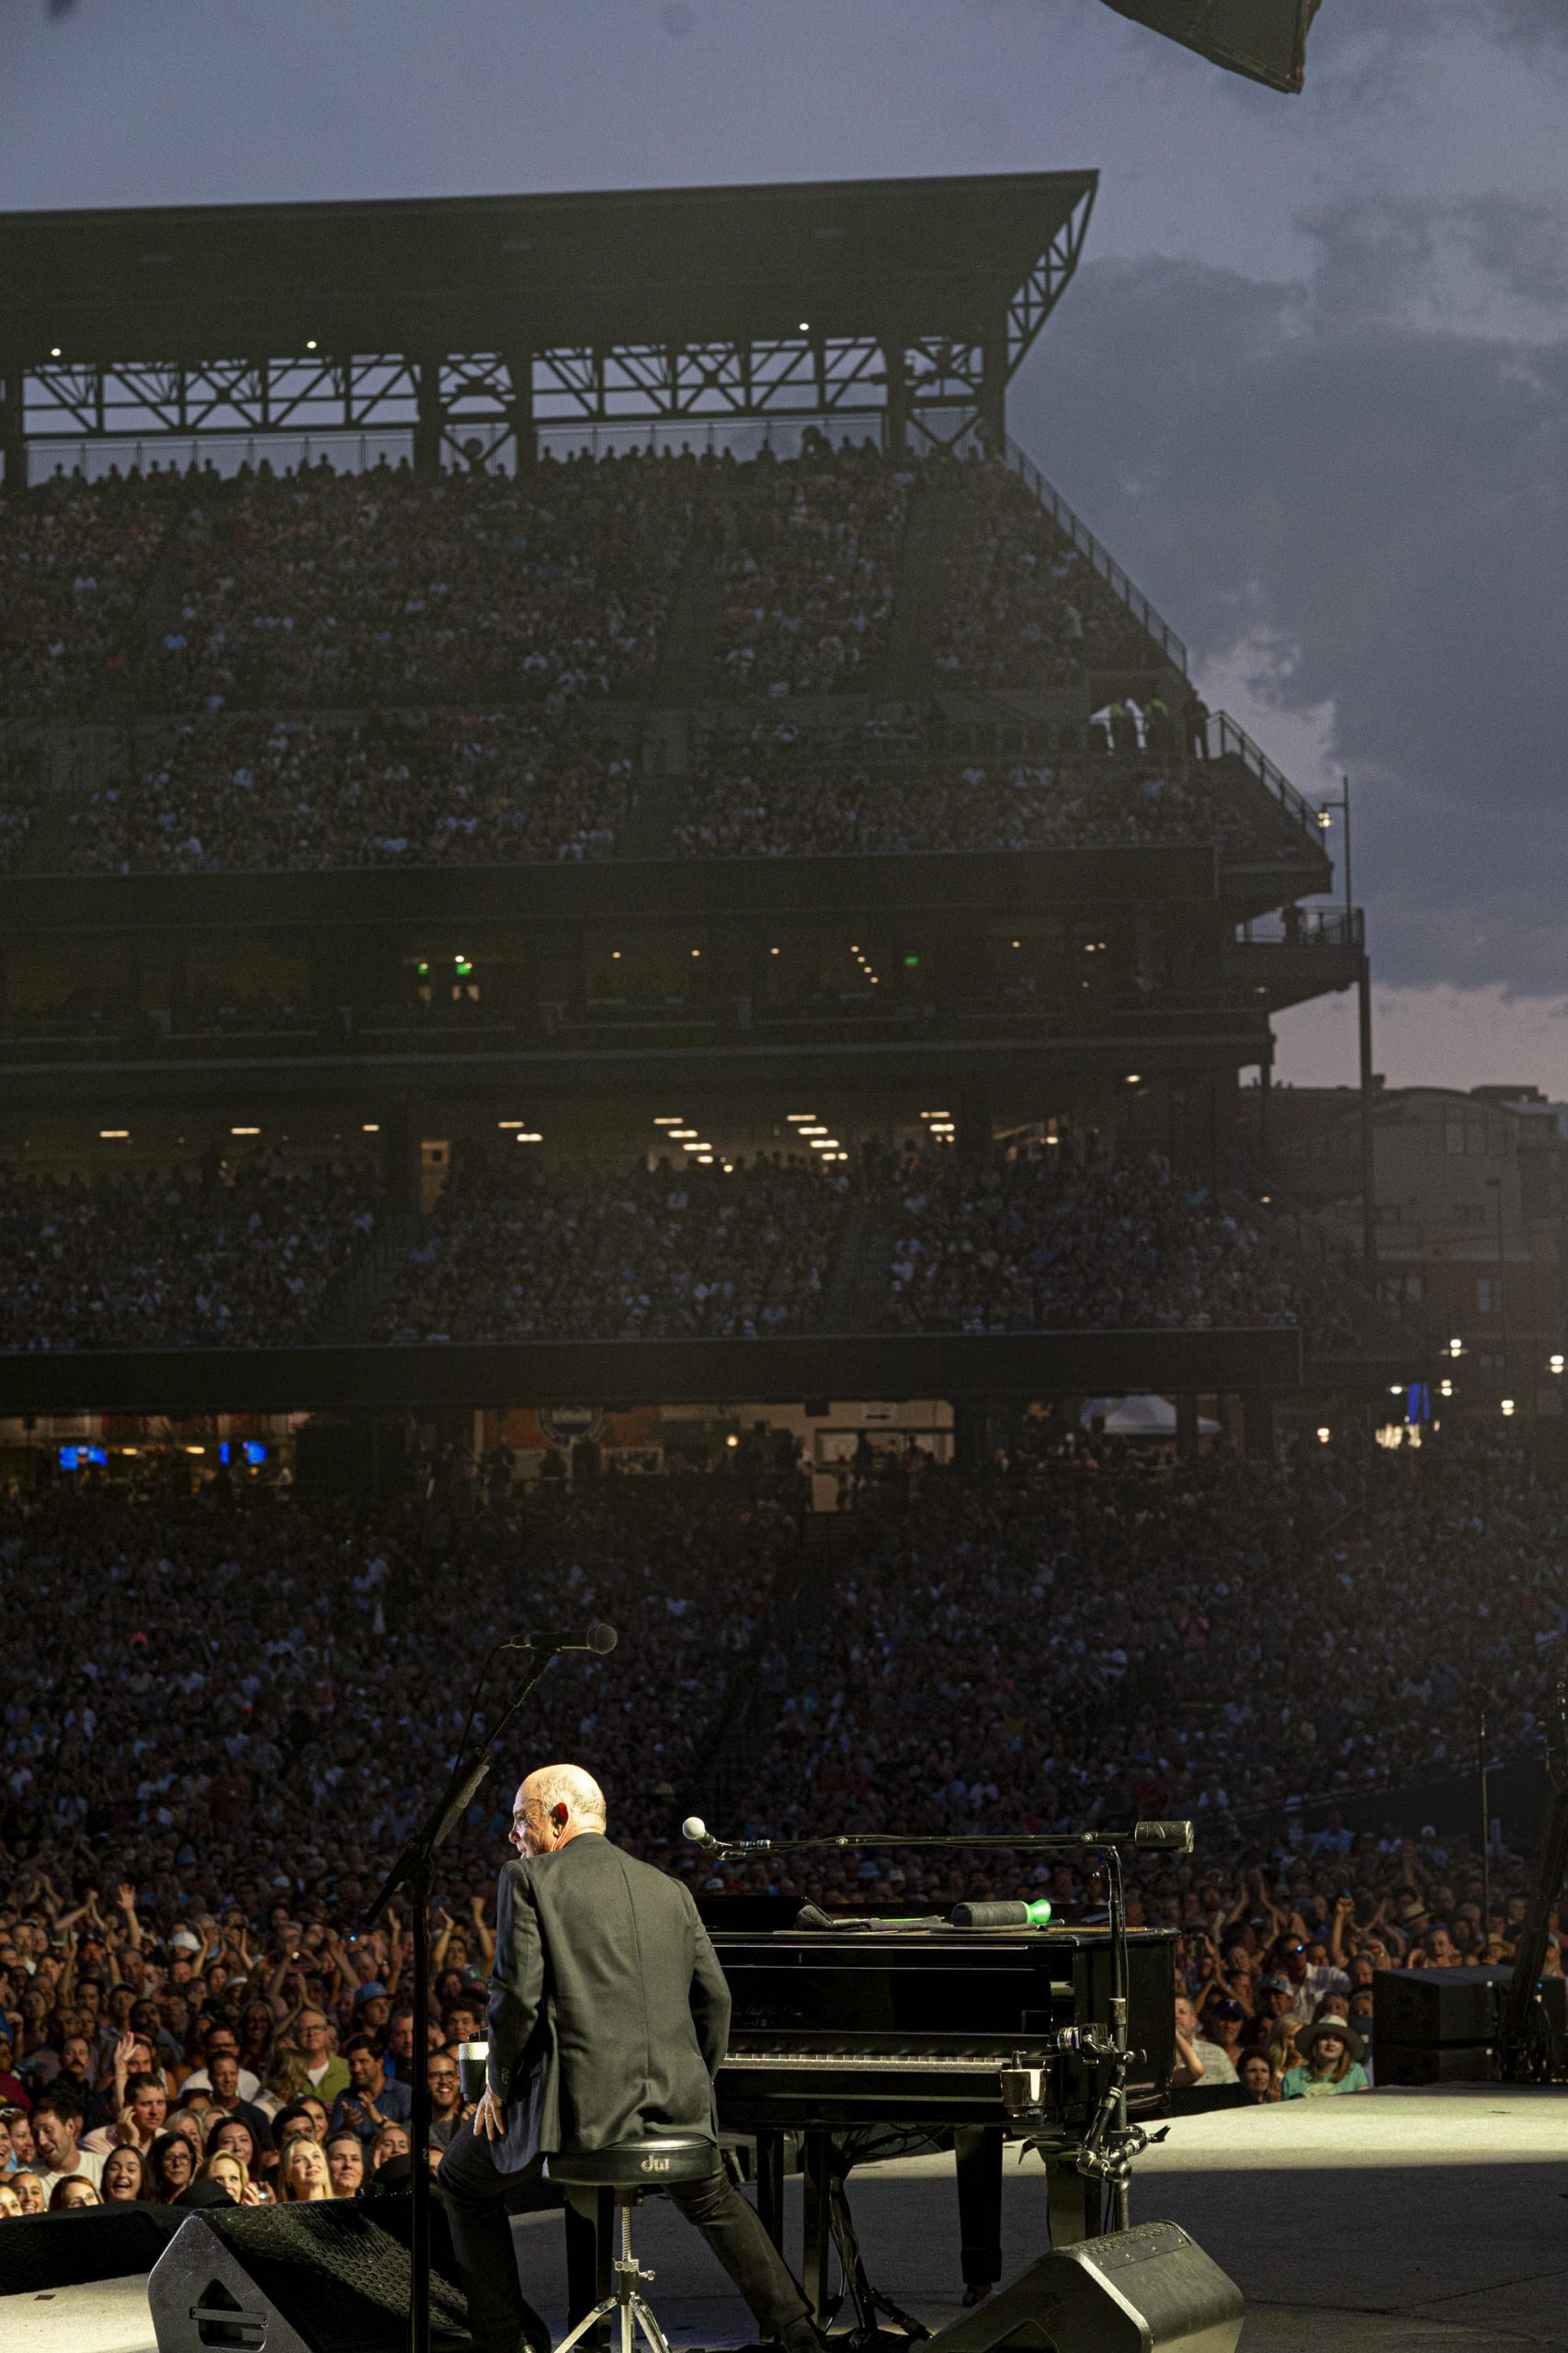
column 855, row 2026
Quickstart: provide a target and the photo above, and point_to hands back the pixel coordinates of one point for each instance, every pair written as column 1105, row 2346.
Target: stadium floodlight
column 1265, row 39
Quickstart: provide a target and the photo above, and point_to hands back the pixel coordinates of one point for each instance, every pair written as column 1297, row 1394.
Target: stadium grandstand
column 577, row 823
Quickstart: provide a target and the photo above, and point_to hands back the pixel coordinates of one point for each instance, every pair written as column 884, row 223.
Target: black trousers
column 480, row 2198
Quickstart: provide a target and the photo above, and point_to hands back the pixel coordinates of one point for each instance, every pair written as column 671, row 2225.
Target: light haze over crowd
column 1310, row 385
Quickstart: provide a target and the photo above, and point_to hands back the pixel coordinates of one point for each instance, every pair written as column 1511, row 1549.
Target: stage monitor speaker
column 1148, row 2290
column 1407, row 2063
column 1437, row 2004
column 1441, row 2026
column 1265, row 39
column 317, row 2279
column 48, row 2251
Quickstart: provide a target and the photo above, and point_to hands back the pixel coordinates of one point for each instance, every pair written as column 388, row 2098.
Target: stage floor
column 1405, row 2221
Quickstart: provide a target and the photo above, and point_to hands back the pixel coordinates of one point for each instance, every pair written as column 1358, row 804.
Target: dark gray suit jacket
column 608, row 2011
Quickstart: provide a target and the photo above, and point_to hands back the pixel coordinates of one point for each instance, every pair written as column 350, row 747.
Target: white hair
column 568, row 1785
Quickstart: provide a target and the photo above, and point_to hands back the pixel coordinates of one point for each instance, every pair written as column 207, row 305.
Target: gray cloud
column 1385, row 496
column 1530, row 23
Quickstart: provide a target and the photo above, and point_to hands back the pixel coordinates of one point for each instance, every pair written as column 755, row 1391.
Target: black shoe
column 976, row 2293
column 803, row 2335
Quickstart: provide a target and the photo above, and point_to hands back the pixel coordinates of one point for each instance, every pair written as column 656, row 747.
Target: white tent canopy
column 1143, row 1414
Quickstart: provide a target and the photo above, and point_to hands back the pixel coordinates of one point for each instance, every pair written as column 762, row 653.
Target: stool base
column 627, row 2299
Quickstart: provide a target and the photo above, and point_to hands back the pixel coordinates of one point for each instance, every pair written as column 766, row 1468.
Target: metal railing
column 1222, row 736
column 1309, row 929
column 1077, row 531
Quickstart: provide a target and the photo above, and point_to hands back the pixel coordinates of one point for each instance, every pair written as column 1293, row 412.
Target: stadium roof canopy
column 773, row 297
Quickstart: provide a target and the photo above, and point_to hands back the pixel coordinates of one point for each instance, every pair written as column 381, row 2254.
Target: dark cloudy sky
column 1310, row 385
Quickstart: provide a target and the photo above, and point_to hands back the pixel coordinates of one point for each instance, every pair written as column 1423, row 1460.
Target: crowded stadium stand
column 650, row 857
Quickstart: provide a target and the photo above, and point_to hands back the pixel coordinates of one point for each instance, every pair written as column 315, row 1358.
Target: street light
column 1455, row 1350
column 1507, row 1406
column 1554, row 1364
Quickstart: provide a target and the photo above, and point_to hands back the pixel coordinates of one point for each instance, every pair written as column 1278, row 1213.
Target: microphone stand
column 415, row 1871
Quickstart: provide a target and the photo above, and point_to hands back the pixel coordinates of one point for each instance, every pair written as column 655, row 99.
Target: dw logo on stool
column 655, row 2165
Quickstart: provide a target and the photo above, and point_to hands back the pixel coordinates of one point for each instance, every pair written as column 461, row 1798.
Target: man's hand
column 490, row 2117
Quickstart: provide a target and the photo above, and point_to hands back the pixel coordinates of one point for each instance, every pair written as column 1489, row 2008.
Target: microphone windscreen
column 601, row 1638
column 1012, row 1915
column 1174, row 1837
column 694, row 1828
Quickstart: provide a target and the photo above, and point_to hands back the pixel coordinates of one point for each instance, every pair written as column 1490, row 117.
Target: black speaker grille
column 335, row 2276
column 44, row 2251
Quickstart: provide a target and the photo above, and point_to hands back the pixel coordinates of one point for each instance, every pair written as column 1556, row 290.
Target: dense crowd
column 309, row 587
column 386, row 587
column 416, row 787
column 241, row 790
column 231, row 1255
column 1074, row 1634
column 1046, row 1236
column 19, row 798
column 806, row 552
column 781, row 791
column 219, row 1754
column 515, row 1248
column 76, row 561
column 413, row 608
column 1083, row 1637
column 1022, row 606
column 243, row 1253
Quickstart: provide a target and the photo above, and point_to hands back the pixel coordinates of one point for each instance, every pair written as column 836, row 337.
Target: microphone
column 1012, row 1913
column 600, row 1638
column 1173, row 1837
column 696, row 1831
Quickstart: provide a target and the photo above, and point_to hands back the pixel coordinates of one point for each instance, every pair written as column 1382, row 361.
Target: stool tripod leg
column 657, row 2341
column 589, row 2320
